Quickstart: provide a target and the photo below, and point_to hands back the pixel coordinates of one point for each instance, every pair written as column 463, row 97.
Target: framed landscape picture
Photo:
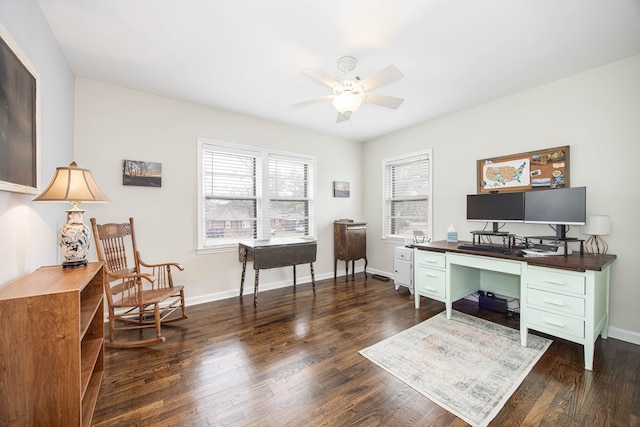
column 540, row 169
column 141, row 173
column 19, row 119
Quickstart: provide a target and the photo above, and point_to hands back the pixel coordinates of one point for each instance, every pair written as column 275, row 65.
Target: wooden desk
column 278, row 252
column 563, row 296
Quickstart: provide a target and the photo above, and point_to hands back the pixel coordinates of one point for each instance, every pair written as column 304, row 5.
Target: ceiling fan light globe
column 347, row 102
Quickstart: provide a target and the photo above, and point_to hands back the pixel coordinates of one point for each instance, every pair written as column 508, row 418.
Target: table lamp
column 74, row 185
column 596, row 226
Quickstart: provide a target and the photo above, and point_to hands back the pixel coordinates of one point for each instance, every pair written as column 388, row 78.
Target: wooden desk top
column 573, row 262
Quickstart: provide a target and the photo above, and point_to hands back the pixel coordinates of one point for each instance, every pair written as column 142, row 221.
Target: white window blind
column 290, row 195
column 407, row 193
column 252, row 193
column 231, row 195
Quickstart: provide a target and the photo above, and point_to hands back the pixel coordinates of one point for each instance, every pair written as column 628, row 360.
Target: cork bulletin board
column 540, row 169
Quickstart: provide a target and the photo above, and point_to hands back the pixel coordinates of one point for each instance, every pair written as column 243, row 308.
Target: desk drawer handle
column 433, row 276
column 553, row 322
column 430, row 289
column 554, row 302
column 432, row 261
column 554, row 282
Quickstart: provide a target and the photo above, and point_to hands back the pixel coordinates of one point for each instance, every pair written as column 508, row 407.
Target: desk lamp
column 74, row 185
column 596, row 226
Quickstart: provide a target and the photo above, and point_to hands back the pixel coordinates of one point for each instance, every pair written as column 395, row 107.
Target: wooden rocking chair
column 136, row 300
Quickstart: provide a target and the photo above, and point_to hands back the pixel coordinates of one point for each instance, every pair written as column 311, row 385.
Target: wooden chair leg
column 156, row 315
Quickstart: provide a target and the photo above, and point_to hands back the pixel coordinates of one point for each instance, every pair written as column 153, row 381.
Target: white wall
column 596, row 113
column 114, row 123
column 28, row 230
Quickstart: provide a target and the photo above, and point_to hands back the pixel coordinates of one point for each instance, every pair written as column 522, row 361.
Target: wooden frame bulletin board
column 540, row 169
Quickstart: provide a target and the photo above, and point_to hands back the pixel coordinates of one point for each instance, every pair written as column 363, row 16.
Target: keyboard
column 486, row 248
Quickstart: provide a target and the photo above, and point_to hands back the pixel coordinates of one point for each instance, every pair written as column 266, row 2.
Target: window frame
column 398, row 160
column 263, row 156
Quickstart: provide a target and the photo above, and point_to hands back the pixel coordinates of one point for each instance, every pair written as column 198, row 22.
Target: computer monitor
column 561, row 206
column 496, row 207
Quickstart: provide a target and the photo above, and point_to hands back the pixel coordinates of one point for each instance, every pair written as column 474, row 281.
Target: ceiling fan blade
column 312, row 101
column 320, row 76
column 342, row 117
column 382, row 77
column 384, row 101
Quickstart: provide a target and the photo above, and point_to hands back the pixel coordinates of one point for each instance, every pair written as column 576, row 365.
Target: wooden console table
column 277, row 252
column 563, row 296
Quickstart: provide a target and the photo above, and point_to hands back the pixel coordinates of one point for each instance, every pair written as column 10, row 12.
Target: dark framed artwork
column 341, row 189
column 141, row 173
column 19, row 119
column 540, row 169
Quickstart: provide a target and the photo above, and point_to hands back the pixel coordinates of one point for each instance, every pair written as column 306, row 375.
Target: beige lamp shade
column 72, row 184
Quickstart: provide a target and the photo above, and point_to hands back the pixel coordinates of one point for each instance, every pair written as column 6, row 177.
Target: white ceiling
column 245, row 56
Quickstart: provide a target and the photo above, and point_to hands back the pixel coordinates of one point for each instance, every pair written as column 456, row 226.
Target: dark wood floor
column 295, row 362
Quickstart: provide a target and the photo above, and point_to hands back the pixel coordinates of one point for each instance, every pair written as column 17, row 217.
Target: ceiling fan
column 349, row 91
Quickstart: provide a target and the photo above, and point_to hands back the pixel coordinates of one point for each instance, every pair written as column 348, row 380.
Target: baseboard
column 624, row 335
column 248, row 286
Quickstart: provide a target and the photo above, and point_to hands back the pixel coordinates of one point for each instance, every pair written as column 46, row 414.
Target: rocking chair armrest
column 147, row 277
column 164, row 264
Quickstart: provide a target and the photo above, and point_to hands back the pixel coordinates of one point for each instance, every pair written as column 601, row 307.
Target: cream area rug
column 467, row 365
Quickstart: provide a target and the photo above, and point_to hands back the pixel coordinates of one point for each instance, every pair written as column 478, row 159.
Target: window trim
column 399, row 159
column 263, row 155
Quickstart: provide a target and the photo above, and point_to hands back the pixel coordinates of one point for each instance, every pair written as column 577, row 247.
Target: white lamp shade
column 597, row 225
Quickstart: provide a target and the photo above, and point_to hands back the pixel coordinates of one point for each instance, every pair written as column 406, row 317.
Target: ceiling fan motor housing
column 348, row 81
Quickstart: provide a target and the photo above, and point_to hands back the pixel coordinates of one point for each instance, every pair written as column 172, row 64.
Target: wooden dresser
column 51, row 346
column 349, row 244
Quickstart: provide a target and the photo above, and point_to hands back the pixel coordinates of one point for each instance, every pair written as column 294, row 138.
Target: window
column 289, row 196
column 252, row 193
column 407, row 195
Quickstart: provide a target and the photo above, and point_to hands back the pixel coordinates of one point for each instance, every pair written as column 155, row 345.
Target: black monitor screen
column 496, row 207
column 558, row 206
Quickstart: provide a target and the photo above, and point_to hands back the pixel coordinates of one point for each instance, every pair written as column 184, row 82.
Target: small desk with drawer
column 563, row 296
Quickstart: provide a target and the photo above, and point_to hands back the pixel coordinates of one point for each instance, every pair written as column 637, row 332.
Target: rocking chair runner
column 135, row 299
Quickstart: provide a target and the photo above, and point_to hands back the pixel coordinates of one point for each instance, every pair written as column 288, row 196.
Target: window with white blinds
column 290, row 195
column 252, row 193
column 407, row 195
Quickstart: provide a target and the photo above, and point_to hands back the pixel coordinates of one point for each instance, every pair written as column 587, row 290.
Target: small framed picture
column 141, row 173
column 341, row 189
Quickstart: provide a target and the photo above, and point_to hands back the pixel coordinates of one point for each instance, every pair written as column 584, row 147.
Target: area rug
column 467, row 365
